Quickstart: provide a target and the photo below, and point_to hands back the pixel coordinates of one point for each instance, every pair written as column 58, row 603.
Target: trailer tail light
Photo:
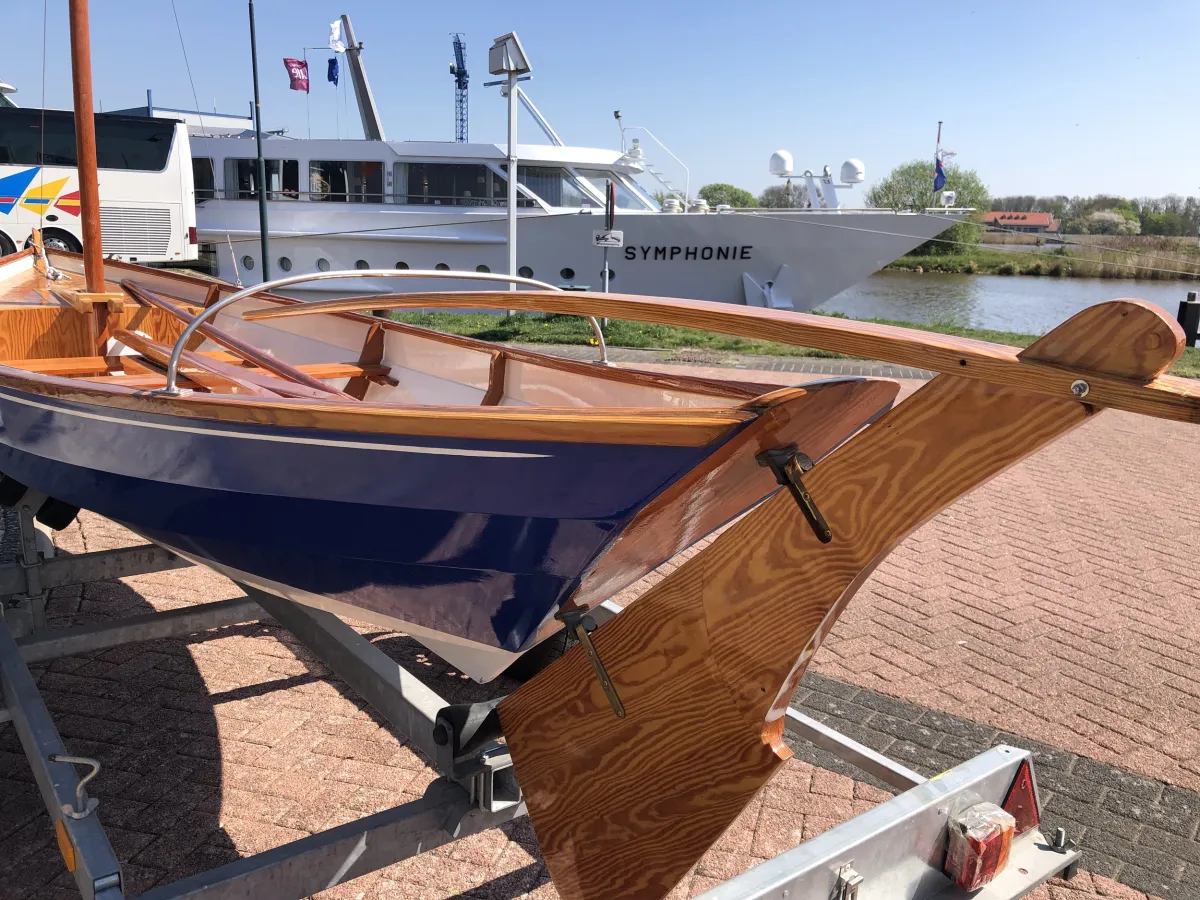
column 192, row 237
column 981, row 837
column 1022, row 801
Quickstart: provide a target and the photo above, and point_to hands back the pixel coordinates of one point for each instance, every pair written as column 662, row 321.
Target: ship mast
column 85, row 143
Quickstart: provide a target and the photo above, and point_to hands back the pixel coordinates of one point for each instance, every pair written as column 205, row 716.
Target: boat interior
column 123, row 342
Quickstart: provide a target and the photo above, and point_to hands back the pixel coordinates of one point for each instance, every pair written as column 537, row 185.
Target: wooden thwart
column 706, row 662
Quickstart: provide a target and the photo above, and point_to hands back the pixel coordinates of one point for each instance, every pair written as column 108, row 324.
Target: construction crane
column 458, row 69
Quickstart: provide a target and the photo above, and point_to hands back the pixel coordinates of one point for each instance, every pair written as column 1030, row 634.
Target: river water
column 1021, row 303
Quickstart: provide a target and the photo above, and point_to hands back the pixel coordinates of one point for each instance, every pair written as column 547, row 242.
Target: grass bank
column 523, row 328
column 1156, row 259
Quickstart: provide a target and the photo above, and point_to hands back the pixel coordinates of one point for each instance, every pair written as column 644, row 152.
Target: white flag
column 946, row 155
column 336, row 44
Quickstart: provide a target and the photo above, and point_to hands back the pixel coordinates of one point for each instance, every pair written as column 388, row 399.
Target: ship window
column 525, row 272
column 442, row 267
column 361, row 264
column 204, row 178
column 248, row 262
column 555, row 186
column 285, row 263
column 449, row 184
column 626, row 199
column 567, row 274
column 122, row 142
column 401, row 265
column 482, row 269
column 346, row 182
column 323, row 264
column 241, row 177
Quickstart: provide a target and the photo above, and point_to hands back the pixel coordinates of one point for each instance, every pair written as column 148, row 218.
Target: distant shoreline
column 1119, row 258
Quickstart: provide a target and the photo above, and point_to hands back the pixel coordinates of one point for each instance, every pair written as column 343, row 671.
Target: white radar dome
column 853, row 172
column 781, row 163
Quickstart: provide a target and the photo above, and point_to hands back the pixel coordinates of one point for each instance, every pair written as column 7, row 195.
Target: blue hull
column 478, row 539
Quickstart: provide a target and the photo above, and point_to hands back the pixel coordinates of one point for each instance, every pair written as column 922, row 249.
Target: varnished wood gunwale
column 602, row 425
column 1165, row 397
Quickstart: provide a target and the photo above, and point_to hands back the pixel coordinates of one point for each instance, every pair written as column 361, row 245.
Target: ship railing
column 211, row 312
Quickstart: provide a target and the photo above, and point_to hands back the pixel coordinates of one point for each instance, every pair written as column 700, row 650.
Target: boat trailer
column 894, row 850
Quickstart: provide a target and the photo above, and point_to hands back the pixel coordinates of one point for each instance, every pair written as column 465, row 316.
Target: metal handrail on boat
column 210, row 312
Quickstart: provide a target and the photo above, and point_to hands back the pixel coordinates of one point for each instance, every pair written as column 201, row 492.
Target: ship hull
column 786, row 259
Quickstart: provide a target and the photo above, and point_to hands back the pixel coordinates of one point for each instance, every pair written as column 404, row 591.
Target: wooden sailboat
column 481, row 497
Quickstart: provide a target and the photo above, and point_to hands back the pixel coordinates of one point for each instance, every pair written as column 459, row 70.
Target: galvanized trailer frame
column 891, row 851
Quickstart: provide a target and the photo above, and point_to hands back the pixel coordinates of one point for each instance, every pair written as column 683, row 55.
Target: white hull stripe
column 276, row 439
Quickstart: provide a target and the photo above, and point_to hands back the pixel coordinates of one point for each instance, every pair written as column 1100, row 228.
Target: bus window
column 346, row 182
column 204, row 178
column 283, row 179
column 33, row 137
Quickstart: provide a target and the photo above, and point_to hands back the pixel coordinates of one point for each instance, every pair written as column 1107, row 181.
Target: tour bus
column 147, row 199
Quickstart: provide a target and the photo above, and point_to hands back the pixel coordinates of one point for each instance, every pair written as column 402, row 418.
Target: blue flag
column 939, row 176
column 333, row 70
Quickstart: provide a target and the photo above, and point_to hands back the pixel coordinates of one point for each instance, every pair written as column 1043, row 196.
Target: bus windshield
column 34, row 137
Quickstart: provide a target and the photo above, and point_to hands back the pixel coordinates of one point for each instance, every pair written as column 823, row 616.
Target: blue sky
column 1074, row 97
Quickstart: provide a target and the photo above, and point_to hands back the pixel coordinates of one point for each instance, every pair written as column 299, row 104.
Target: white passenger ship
column 372, row 204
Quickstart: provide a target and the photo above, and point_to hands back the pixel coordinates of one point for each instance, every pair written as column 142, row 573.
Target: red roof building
column 1023, row 222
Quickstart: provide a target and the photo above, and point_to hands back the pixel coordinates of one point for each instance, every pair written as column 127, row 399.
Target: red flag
column 298, row 72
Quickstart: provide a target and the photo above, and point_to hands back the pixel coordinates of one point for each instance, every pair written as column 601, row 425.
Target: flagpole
column 264, row 241
column 937, row 152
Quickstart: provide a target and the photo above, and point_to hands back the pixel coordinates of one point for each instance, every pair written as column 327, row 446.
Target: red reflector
column 192, row 239
column 1021, row 802
column 980, row 840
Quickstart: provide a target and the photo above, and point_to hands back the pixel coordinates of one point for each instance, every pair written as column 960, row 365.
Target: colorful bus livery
column 147, row 199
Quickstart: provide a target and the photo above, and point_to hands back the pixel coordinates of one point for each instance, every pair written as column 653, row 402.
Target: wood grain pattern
column 963, row 357
column 233, row 344
column 1087, row 341
column 706, row 662
column 816, row 418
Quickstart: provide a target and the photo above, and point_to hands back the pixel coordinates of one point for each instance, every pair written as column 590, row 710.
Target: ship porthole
column 442, row 267
column 611, row 274
column 285, row 264
column 248, row 262
column 401, row 265
column 323, row 264
column 525, row 272
column 567, row 274
column 482, row 269
column 361, row 264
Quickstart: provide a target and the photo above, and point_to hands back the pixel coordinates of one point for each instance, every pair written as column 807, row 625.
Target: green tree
column 775, row 197
column 910, row 186
column 716, row 194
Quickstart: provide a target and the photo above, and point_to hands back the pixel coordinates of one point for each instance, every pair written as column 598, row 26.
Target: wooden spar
column 706, row 662
column 1153, row 394
column 210, row 373
column 85, row 143
column 239, row 347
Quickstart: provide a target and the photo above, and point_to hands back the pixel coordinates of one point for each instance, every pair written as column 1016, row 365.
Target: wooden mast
column 85, row 142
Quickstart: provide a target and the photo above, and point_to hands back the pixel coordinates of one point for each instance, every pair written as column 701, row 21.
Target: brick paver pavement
column 1063, row 615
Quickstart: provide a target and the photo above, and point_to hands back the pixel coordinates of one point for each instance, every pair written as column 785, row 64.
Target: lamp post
column 507, row 57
